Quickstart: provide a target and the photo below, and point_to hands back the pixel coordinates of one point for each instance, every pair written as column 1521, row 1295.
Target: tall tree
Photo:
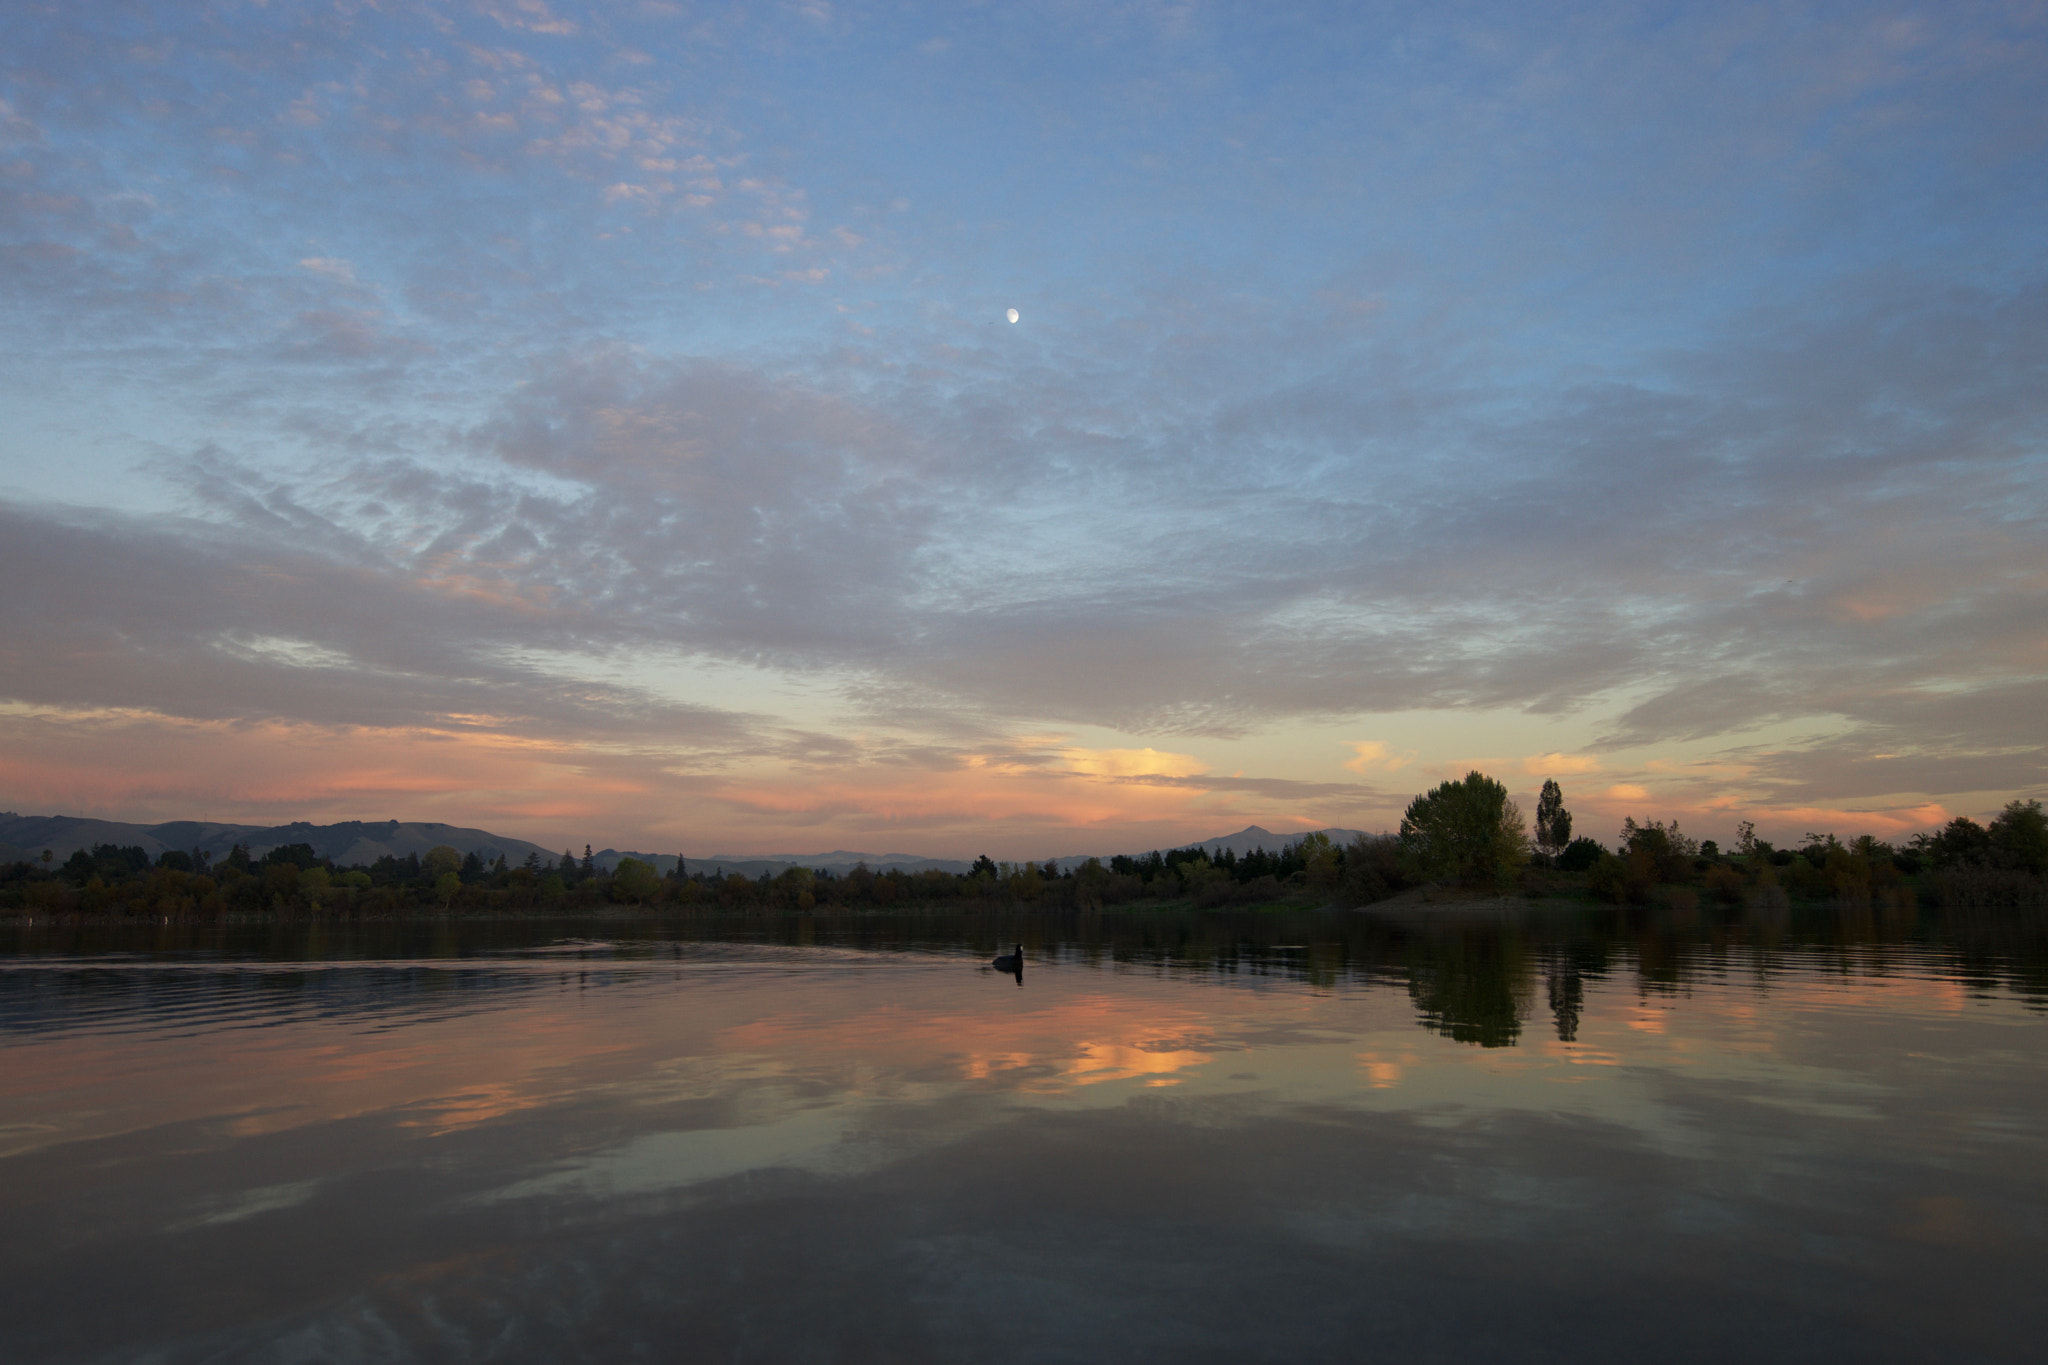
column 1466, row 831
column 1553, row 821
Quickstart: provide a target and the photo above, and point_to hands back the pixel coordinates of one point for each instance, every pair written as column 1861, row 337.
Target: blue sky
column 601, row 421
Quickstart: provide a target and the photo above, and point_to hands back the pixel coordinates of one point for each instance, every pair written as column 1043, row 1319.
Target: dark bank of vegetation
column 1464, row 835
column 292, row 880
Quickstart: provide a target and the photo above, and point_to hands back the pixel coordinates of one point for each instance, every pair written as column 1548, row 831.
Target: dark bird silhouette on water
column 1012, row 962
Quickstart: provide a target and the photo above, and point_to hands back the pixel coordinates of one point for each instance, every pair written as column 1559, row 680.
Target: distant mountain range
column 352, row 842
column 24, row 837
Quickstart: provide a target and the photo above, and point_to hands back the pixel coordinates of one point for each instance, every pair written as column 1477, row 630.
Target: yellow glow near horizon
column 1035, row 796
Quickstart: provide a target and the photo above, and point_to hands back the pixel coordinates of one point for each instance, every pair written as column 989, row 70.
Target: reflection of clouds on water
column 1098, row 1062
column 467, row 1108
column 249, row 1203
column 1382, row 1073
column 807, row 1139
column 689, row 1148
column 1646, row 1018
column 990, row 1066
column 783, row 1111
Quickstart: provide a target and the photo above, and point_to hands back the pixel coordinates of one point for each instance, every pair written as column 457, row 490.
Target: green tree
column 1466, row 831
column 441, row 859
column 2019, row 837
column 634, row 881
column 1657, row 839
column 1553, row 821
column 1320, row 859
column 1958, row 843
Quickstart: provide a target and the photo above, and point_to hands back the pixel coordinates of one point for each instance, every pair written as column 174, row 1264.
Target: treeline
column 1465, row 833
column 292, row 880
column 1468, row 832
column 1657, row 861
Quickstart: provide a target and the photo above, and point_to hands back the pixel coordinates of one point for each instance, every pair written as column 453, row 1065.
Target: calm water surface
column 1177, row 1138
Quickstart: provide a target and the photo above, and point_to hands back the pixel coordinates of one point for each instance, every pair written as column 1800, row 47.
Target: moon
column 1013, row 315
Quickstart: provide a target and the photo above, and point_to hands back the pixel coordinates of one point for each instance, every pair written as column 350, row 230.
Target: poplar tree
column 1553, row 821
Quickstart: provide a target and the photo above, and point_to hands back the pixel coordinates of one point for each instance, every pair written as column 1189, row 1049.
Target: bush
column 1724, row 884
column 1847, row 876
column 1607, row 878
column 1804, row 881
column 1218, row 894
column 1372, row 870
column 1641, row 871
column 1579, row 855
column 1980, row 887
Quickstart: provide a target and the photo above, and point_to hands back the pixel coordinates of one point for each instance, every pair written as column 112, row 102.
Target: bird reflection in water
column 1011, row 962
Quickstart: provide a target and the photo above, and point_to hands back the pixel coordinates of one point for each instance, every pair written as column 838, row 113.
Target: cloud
column 1560, row 765
column 1347, row 796
column 1132, row 763
column 527, row 16
column 1686, row 386
column 288, row 619
column 1368, row 754
column 332, row 267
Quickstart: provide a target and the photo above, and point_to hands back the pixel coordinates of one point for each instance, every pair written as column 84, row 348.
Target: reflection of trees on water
column 1471, row 985
column 1471, row 981
column 1567, row 992
column 1568, row 964
column 1477, row 984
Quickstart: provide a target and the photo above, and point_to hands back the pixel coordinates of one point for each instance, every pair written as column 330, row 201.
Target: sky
column 601, row 422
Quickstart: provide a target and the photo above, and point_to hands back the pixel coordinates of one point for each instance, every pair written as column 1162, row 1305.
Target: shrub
column 1641, row 871
column 1804, row 880
column 1227, row 892
column 1724, row 884
column 1979, row 887
column 1579, row 855
column 1372, row 870
column 1847, row 876
column 1607, row 878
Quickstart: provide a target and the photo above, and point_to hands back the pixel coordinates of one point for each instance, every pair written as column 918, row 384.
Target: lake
column 1582, row 1135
